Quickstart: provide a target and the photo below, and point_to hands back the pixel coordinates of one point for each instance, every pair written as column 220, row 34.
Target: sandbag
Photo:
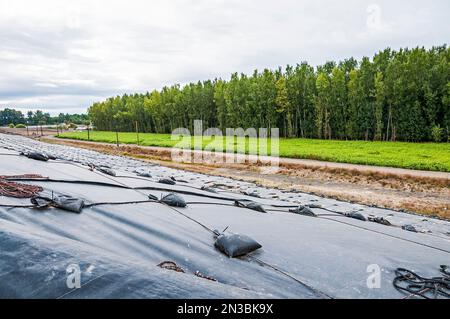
column 69, row 203
column 356, row 215
column 236, row 245
column 173, row 200
column 252, row 194
column 166, row 181
column 37, row 156
column 379, row 220
column 107, row 171
column 63, row 202
column 51, row 156
column 303, row 210
column 250, row 205
column 410, row 228
column 41, row 202
column 144, row 174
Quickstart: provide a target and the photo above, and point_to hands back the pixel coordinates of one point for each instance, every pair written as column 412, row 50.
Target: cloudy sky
column 61, row 56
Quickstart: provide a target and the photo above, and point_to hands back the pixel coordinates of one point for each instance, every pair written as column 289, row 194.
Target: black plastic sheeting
column 117, row 247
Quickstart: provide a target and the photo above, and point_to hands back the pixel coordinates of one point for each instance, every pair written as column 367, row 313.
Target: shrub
column 21, row 126
column 436, row 133
column 11, row 125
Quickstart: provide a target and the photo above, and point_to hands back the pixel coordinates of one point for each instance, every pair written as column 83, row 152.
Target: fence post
column 117, row 138
column 28, row 133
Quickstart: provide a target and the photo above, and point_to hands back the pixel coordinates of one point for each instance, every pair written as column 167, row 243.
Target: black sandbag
column 250, row 205
column 252, row 194
column 356, row 215
column 410, row 228
column 379, row 220
column 303, row 210
column 107, row 171
column 174, row 200
column 69, row 203
column 166, row 181
column 236, row 245
column 63, row 202
column 144, row 174
column 37, row 156
column 51, row 156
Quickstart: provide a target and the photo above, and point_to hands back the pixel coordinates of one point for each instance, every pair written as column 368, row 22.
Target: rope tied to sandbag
column 19, row 190
column 67, row 203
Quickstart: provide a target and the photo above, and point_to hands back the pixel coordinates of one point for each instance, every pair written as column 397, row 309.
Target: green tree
column 284, row 106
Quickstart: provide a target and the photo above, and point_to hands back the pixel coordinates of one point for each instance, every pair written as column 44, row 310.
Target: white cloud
column 63, row 56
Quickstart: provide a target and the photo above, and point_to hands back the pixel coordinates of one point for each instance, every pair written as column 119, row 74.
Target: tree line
column 11, row 116
column 394, row 96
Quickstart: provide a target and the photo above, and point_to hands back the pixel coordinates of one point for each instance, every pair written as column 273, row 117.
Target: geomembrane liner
column 118, row 247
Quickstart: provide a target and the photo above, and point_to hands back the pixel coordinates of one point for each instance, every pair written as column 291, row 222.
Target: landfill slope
column 118, row 247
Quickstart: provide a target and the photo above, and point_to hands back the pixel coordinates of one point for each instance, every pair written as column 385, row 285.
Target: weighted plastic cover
column 115, row 247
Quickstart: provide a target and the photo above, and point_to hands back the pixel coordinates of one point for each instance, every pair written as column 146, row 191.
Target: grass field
column 424, row 156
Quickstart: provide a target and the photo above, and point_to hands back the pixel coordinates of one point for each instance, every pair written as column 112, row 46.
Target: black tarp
column 118, row 247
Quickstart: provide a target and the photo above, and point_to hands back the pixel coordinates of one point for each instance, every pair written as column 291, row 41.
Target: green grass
column 424, row 156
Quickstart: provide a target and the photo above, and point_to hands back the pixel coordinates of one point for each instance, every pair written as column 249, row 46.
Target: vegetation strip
column 420, row 156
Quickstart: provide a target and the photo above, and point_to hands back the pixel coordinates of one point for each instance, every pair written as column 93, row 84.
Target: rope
column 206, row 203
column 426, row 288
column 170, row 265
column 92, row 169
column 120, row 203
column 11, row 189
column 24, row 176
column 122, row 185
column 16, row 206
column 392, row 236
column 316, row 291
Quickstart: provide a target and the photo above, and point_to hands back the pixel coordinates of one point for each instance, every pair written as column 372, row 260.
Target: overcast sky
column 61, row 56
